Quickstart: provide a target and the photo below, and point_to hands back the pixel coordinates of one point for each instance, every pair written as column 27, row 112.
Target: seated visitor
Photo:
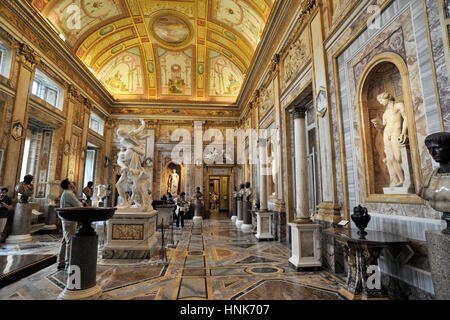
column 6, row 211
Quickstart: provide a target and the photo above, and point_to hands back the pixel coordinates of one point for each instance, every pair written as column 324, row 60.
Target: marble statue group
column 132, row 171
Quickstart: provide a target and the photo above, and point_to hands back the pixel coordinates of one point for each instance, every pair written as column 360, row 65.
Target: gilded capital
column 87, row 104
column 73, row 92
column 275, row 62
column 28, row 56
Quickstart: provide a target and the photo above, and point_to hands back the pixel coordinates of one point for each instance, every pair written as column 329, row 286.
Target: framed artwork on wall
column 322, row 102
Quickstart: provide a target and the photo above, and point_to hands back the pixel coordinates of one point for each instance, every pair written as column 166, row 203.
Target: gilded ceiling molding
column 7, row 37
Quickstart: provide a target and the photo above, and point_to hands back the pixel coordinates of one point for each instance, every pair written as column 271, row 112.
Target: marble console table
column 362, row 252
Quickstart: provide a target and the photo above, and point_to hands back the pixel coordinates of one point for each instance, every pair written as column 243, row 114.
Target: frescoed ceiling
column 164, row 51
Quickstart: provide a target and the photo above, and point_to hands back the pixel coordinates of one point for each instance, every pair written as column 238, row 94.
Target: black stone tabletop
column 372, row 237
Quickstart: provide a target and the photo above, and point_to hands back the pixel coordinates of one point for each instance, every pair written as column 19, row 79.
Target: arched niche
column 167, row 173
column 387, row 73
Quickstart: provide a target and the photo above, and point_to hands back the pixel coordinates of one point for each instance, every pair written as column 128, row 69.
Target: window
column 96, row 124
column 89, row 169
column 47, row 90
column 5, row 60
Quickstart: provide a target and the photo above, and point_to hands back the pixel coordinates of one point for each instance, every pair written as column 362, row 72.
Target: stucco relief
column 266, row 99
column 298, row 55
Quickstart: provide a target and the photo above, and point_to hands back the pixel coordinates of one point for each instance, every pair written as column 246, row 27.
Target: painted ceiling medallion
column 171, row 30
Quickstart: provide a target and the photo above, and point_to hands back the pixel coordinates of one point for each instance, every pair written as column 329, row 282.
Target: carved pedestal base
column 305, row 245
column 359, row 258
column 131, row 235
column 21, row 226
column 264, row 225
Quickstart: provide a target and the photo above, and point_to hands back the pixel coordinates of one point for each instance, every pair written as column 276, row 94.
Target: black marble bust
column 436, row 187
column 25, row 188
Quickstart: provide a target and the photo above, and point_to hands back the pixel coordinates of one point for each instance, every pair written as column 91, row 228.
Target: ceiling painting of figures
column 156, row 51
column 122, row 75
column 225, row 78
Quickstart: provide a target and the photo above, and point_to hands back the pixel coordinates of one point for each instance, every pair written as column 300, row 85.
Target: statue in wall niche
column 436, row 187
column 132, row 172
column 394, row 126
column 25, row 188
column 174, row 179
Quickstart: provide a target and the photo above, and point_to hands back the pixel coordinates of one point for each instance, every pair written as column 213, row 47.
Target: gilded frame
column 365, row 132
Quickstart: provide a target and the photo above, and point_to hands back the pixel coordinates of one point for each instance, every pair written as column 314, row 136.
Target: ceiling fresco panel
column 154, row 50
column 225, row 78
column 240, row 16
column 123, row 75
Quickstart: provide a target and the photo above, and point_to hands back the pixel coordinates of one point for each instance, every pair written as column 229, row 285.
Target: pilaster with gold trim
column 27, row 60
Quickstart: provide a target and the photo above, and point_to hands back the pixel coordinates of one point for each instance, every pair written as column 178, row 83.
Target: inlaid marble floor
column 211, row 260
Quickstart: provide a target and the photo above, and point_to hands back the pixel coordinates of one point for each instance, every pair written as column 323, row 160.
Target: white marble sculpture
column 101, row 194
column 132, row 172
column 394, row 126
column 173, row 183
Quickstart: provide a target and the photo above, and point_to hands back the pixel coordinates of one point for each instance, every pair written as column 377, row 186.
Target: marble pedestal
column 131, row 234
column 21, row 226
column 438, row 245
column 50, row 221
column 264, row 225
column 247, row 226
column 81, row 282
column 197, row 219
column 305, row 245
column 197, row 211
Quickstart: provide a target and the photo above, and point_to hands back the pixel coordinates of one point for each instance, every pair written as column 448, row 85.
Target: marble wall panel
column 398, row 34
column 438, row 50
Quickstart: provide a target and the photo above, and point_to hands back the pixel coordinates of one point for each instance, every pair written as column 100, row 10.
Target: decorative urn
column 361, row 219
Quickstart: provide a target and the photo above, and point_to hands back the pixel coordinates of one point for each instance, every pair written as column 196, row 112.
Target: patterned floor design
column 212, row 260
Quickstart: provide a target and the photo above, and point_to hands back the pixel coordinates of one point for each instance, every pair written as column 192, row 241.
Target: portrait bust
column 436, row 187
column 25, row 188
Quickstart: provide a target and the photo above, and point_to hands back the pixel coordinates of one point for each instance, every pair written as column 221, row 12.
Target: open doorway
column 219, row 197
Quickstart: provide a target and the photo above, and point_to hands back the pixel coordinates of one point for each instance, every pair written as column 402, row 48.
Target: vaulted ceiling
column 165, row 51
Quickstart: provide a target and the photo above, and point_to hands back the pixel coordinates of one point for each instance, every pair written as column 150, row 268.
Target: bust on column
column 197, row 205
column 234, row 205
column 21, row 226
column 436, row 190
column 240, row 200
column 247, row 206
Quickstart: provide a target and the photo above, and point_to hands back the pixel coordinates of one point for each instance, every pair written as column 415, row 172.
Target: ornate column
column 27, row 61
column 263, row 216
column 73, row 99
column 87, row 108
column 305, row 241
column 279, row 210
column 301, row 173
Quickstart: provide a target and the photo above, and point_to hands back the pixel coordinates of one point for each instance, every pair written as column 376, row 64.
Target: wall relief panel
column 297, row 56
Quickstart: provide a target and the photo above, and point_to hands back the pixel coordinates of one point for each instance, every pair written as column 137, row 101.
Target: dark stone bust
column 438, row 145
column 436, row 187
column 25, row 188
